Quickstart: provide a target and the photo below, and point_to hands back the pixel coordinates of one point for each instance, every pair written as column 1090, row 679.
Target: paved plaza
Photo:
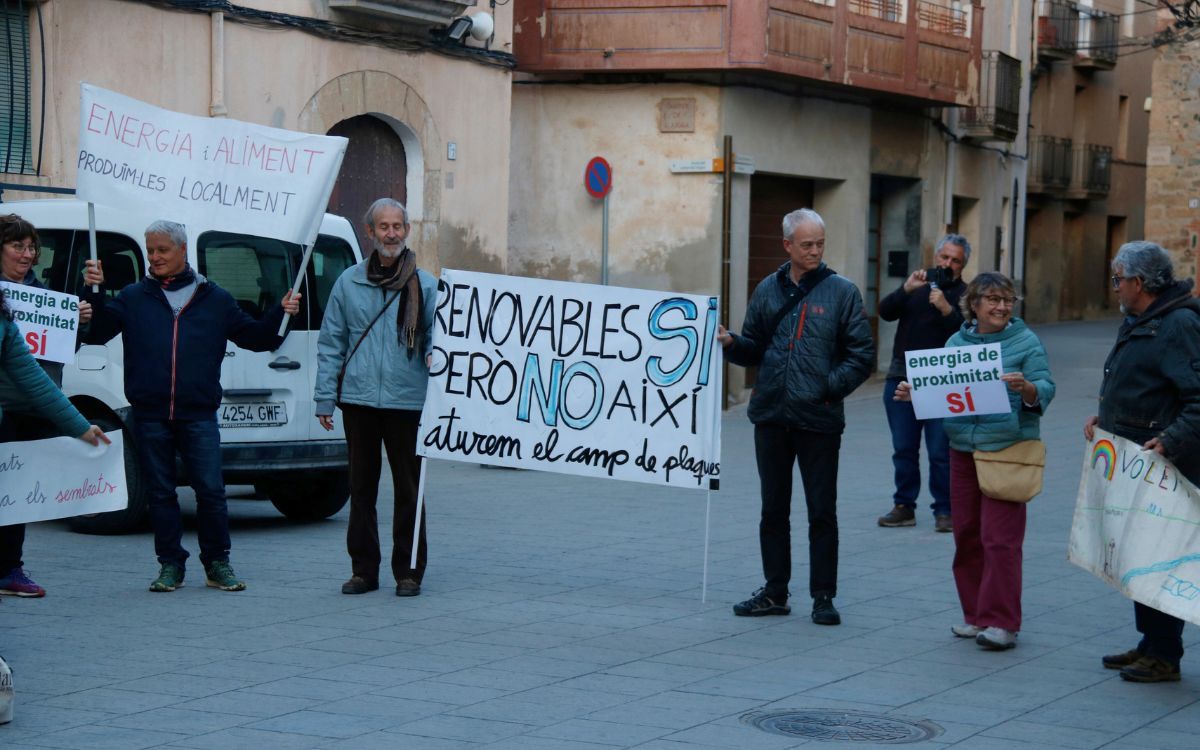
column 566, row 613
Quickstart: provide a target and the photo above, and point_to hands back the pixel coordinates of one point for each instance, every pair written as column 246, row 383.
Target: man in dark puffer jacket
column 807, row 331
column 1151, row 395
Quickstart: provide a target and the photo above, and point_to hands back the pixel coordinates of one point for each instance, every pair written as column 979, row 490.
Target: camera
column 939, row 276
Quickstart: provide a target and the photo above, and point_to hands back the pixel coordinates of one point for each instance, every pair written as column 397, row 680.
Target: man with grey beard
column 372, row 357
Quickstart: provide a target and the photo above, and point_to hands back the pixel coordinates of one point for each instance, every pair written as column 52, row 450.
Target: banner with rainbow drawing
column 1137, row 526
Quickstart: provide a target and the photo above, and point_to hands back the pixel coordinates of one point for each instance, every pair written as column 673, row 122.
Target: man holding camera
column 927, row 308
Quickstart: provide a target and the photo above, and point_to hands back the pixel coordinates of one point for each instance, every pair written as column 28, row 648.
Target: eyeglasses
column 27, row 248
column 996, row 300
column 1116, row 280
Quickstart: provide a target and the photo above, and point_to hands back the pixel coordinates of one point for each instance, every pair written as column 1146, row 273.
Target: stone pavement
column 566, row 613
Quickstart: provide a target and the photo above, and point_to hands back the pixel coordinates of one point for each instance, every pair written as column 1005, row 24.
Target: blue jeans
column 198, row 442
column 906, row 453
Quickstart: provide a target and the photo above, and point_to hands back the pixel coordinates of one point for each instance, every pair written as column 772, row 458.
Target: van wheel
column 135, row 515
column 308, row 497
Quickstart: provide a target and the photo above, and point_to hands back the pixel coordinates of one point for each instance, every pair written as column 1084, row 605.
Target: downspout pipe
column 216, row 104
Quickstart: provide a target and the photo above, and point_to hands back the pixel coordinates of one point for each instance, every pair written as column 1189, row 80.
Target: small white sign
column 692, row 165
column 60, row 477
column 743, row 164
column 48, row 321
column 957, row 381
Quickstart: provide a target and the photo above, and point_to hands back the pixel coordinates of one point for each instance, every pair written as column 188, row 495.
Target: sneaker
column 1118, row 661
column 170, row 577
column 760, row 604
column 359, row 585
column 1151, row 669
column 219, row 575
column 16, row 583
column 824, row 613
column 408, row 587
column 966, row 630
column 943, row 524
column 901, row 515
column 996, row 639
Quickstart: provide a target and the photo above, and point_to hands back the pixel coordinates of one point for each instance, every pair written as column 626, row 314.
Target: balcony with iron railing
column 1057, row 29
column 1091, row 171
column 923, row 50
column 1097, row 40
column 1049, row 164
column 997, row 118
column 417, row 12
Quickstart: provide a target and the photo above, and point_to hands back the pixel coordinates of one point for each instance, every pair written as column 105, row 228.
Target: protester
column 372, row 363
column 23, row 384
column 806, row 329
column 1150, row 394
column 174, row 324
column 989, row 533
column 19, row 253
column 928, row 314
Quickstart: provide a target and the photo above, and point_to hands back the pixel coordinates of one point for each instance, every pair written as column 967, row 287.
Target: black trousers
column 1162, row 634
column 15, row 427
column 368, row 429
column 777, row 449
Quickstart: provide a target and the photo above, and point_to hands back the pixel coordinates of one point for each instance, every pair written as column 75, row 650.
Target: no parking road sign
column 597, row 177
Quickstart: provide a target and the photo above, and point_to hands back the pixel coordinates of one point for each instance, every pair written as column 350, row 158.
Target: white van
column 269, row 437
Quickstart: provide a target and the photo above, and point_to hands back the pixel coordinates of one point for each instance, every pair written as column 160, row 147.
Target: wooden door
column 374, row 167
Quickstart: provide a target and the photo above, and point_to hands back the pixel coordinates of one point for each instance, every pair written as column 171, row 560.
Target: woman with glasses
column 989, row 533
column 19, row 254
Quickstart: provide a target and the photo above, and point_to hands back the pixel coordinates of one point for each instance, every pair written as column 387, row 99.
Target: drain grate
column 838, row 725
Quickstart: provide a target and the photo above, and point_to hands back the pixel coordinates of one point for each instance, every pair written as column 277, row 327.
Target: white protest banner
column 48, row 321
column 575, row 378
column 1137, row 526
column 222, row 173
column 957, row 381
column 60, row 477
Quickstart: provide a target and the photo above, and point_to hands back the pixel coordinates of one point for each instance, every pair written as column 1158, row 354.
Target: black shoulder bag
column 793, row 300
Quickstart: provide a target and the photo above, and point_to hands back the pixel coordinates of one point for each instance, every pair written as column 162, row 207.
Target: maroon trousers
column 396, row 430
column 988, row 535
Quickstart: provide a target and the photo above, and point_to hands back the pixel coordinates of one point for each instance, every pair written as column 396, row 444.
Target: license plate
column 252, row 414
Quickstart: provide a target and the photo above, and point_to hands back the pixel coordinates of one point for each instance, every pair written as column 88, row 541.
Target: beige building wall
column 1173, row 174
column 290, row 79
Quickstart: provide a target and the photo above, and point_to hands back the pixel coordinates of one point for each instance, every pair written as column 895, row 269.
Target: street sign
column 597, row 178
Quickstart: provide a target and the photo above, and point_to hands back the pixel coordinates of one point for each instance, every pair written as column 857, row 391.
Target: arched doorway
column 374, row 167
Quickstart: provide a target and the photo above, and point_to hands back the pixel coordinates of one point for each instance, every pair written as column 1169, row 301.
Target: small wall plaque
column 677, row 115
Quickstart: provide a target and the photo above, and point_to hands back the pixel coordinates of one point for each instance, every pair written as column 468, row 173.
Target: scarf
column 178, row 281
column 401, row 277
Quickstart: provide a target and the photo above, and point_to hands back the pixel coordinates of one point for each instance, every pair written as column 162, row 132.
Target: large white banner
column 957, row 381
column 60, row 477
column 222, row 173
column 1137, row 526
column 48, row 321
column 575, row 378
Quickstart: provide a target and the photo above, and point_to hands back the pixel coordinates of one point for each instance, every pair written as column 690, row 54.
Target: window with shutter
column 15, row 152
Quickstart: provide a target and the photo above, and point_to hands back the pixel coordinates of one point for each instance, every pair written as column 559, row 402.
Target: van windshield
column 258, row 271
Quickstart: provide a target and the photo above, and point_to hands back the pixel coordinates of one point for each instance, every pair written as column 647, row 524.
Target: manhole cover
column 839, row 725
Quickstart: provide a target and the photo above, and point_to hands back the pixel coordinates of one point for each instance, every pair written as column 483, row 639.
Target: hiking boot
column 359, row 585
column 16, row 583
column 219, row 575
column 943, row 524
column 1151, row 669
column 408, row 587
column 901, row 515
column 1118, row 661
column 966, row 630
column 997, row 639
column 824, row 613
column 760, row 604
column 170, row 577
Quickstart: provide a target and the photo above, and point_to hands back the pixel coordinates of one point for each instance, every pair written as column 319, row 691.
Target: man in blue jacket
column 806, row 330
column 928, row 314
column 174, row 324
column 372, row 363
column 1150, row 394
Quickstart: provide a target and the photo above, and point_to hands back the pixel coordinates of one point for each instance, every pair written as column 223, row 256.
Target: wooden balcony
column 918, row 49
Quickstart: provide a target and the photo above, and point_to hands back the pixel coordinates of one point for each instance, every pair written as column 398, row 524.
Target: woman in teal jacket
column 989, row 533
